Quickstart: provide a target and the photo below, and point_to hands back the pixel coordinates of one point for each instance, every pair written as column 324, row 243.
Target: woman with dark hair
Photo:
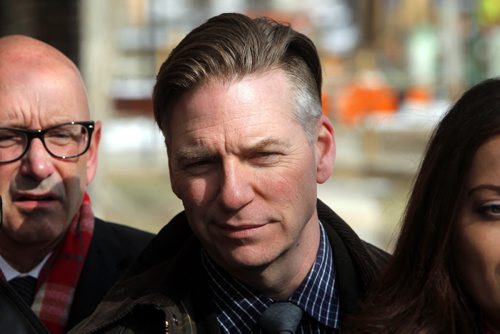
column 445, row 273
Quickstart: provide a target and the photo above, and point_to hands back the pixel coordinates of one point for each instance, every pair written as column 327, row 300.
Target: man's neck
column 9, row 272
column 22, row 257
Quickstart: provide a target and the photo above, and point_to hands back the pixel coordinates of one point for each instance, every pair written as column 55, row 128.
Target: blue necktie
column 280, row 317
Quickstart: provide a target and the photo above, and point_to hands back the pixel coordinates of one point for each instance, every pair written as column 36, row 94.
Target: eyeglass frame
column 40, row 133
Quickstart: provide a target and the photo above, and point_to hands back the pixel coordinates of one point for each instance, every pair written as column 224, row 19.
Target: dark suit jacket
column 112, row 250
column 16, row 316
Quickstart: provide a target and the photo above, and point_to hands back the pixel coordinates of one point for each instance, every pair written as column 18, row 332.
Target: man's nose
column 37, row 163
column 237, row 185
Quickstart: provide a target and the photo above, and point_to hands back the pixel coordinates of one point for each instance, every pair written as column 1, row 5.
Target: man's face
column 41, row 194
column 246, row 172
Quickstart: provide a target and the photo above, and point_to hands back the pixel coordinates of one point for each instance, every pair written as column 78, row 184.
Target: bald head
column 23, row 48
column 40, row 89
column 24, row 60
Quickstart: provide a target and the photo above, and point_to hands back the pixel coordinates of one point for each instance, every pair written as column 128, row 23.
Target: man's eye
column 265, row 154
column 198, row 163
column 197, row 167
column 266, row 157
column 60, row 134
column 7, row 138
column 10, row 140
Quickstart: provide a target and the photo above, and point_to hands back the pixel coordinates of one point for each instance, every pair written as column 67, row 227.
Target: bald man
column 48, row 157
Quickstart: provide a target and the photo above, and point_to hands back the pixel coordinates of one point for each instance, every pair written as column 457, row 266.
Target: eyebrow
column 200, row 153
column 192, row 153
column 480, row 187
column 265, row 143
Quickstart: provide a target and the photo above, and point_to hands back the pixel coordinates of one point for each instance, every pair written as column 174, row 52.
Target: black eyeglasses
column 63, row 141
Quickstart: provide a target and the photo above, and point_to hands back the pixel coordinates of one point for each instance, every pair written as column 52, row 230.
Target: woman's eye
column 490, row 209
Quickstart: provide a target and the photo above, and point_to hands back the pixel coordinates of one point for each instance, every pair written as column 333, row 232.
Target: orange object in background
column 418, row 94
column 325, row 104
column 365, row 96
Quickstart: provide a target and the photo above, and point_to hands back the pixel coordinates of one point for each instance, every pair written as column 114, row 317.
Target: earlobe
column 325, row 150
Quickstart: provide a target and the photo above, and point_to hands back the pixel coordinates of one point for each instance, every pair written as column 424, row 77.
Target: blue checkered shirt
column 238, row 306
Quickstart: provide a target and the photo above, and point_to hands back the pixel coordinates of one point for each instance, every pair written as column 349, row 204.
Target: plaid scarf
column 59, row 276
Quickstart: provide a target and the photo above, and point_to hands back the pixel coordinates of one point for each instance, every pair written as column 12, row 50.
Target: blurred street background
column 391, row 69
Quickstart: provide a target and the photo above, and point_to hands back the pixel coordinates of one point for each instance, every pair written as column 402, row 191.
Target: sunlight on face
column 245, row 170
column 41, row 194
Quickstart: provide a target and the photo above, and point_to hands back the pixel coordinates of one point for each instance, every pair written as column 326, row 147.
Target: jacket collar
column 171, row 266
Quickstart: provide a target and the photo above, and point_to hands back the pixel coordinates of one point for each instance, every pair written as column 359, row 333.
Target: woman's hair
column 420, row 290
column 230, row 46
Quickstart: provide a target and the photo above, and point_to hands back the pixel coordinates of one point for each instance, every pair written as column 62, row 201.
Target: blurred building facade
column 391, row 69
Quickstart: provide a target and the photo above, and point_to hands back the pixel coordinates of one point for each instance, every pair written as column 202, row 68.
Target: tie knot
column 280, row 317
column 24, row 287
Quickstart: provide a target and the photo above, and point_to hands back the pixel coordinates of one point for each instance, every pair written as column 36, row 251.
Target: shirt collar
column 238, row 306
column 9, row 272
column 317, row 295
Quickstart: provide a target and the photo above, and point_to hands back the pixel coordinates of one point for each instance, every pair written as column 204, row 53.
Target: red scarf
column 59, row 276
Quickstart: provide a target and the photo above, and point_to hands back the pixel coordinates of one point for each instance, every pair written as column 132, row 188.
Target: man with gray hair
column 239, row 104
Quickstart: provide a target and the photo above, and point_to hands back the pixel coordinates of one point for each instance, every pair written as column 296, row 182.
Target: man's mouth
column 38, row 198
column 35, row 201
column 239, row 227
column 240, row 231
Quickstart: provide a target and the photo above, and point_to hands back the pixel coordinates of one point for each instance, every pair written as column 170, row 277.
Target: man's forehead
column 22, row 55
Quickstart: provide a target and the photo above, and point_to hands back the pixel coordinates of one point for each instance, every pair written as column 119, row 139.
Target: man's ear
column 93, row 152
column 325, row 149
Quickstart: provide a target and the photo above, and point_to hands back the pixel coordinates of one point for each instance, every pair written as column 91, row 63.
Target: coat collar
column 169, row 275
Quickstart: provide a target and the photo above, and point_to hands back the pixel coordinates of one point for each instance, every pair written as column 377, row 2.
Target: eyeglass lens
column 63, row 141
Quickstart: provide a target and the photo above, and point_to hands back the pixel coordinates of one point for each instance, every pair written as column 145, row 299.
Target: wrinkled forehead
column 36, row 92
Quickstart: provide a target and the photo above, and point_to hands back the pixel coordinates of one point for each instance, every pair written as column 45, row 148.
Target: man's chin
column 35, row 235
column 34, row 228
column 244, row 259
